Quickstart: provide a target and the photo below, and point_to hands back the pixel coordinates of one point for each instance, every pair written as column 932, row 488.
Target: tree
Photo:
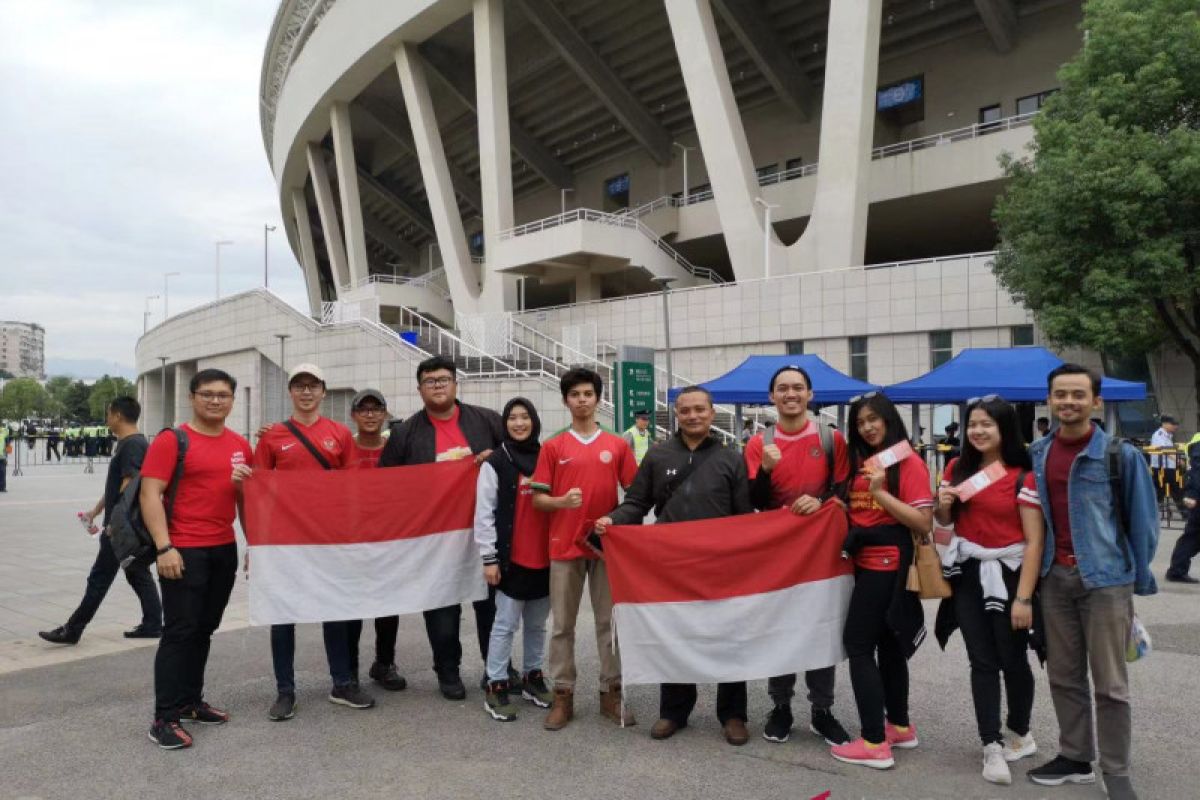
column 1100, row 225
column 104, row 391
column 23, row 397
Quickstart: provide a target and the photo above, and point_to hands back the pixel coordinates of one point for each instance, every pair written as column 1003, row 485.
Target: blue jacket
column 1103, row 556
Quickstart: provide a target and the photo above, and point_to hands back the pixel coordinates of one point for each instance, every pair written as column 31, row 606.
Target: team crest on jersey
column 330, row 444
column 815, row 452
column 605, row 456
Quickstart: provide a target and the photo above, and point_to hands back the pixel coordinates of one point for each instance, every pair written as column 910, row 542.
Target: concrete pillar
column 347, row 181
column 836, row 235
column 183, row 376
column 308, row 253
column 495, row 149
column 329, row 219
column 587, row 287
column 720, row 130
column 462, row 276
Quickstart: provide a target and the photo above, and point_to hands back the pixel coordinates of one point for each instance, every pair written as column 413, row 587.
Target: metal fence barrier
column 42, row 450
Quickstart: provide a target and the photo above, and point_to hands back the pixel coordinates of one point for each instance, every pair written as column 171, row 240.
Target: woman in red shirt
column 990, row 497
column 884, row 621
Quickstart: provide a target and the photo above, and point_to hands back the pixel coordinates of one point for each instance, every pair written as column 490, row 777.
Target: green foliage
column 23, row 397
column 1100, row 227
column 104, row 391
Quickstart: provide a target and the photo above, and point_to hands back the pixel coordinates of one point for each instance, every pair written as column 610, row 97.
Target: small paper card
column 980, row 481
column 893, row 455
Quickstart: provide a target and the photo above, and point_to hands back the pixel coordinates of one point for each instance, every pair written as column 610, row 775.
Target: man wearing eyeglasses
column 444, row 430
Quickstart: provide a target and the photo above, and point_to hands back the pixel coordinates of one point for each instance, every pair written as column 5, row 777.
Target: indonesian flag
column 729, row 599
column 358, row 544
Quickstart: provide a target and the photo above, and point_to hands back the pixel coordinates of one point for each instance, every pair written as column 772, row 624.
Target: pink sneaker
column 859, row 752
column 901, row 739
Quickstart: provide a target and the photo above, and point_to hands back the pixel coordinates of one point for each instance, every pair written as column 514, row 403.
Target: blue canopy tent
column 1018, row 374
column 747, row 382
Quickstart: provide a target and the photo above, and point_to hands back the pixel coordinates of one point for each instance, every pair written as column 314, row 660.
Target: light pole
column 684, row 197
column 166, row 276
column 766, row 234
column 266, row 277
column 665, row 282
column 219, row 245
column 282, row 337
column 146, row 313
column 562, row 196
column 162, row 378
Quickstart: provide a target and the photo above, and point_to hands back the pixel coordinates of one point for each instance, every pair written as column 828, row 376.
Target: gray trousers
column 1089, row 629
column 782, row 688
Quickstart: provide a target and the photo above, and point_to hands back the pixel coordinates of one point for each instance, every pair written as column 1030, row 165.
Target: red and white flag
column 361, row 543
column 730, row 599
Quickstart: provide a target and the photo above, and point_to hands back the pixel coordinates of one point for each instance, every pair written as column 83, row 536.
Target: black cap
column 641, row 412
column 1167, row 419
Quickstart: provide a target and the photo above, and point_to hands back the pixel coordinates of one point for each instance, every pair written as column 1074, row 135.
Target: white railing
column 886, row 151
column 616, row 220
column 428, row 281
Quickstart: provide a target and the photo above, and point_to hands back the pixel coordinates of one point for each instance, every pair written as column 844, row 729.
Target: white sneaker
column 1020, row 747
column 995, row 768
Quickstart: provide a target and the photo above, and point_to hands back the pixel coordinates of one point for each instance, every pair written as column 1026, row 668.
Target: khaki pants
column 1089, row 628
column 566, row 590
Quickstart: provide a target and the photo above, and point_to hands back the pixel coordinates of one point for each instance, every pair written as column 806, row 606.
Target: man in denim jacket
column 1090, row 572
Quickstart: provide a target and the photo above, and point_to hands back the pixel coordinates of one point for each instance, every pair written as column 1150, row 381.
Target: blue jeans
column 104, row 572
column 337, row 651
column 509, row 615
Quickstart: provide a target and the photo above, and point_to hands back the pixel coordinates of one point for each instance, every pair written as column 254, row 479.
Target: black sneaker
column 779, row 724
column 283, row 708
column 350, row 695
column 1062, row 770
column 205, row 714
column 451, row 686
column 497, row 703
column 169, row 735
column 535, row 690
column 142, row 632
column 1176, row 578
column 826, row 725
column 387, row 676
column 61, row 635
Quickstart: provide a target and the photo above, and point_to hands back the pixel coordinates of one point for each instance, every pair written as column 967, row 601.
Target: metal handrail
column 427, row 281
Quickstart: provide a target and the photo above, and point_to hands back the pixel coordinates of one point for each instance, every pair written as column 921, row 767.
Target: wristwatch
column 1025, row 601
column 165, row 550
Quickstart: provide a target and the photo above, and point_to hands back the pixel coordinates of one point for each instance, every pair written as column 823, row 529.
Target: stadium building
column 516, row 184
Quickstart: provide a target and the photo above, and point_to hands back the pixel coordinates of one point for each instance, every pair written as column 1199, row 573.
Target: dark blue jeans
column 337, row 637
column 104, row 572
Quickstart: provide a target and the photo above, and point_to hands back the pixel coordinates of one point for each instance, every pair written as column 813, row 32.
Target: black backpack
column 127, row 532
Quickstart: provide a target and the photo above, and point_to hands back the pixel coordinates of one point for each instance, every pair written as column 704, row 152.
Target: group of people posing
column 1050, row 543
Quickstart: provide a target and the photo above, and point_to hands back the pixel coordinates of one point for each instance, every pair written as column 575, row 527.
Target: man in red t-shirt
column 792, row 470
column 575, row 481
column 197, row 553
column 306, row 442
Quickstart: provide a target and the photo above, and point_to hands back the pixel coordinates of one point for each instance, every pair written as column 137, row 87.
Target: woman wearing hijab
column 514, row 542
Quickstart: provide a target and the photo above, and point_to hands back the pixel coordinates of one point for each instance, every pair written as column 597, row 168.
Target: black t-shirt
column 125, row 463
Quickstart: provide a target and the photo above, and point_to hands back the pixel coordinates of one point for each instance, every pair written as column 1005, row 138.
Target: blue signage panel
column 615, row 187
column 899, row 94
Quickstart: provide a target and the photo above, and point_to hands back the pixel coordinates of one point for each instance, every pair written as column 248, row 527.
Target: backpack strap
column 291, row 426
column 825, row 434
column 181, row 447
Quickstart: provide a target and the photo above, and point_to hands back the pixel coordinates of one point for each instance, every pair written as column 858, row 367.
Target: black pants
column 336, row 636
column 52, row 447
column 676, row 701
column 442, row 627
column 820, row 683
column 993, row 647
column 100, row 579
column 880, row 687
column 1185, row 550
column 192, row 609
column 3, row 473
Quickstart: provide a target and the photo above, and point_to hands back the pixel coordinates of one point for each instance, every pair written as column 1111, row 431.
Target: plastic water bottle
column 90, row 527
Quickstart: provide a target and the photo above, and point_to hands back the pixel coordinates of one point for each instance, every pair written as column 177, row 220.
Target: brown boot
column 610, row 706
column 561, row 711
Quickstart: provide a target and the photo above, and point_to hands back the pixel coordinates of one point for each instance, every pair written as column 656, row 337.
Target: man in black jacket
column 445, row 430
column 690, row 476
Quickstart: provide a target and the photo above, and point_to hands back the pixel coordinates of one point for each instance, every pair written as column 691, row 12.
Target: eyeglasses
column 437, row 383
column 864, row 396
column 371, row 411
column 215, row 397
column 306, row 387
column 987, row 398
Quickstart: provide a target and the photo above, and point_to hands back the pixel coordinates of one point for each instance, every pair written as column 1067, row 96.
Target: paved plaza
column 73, row 720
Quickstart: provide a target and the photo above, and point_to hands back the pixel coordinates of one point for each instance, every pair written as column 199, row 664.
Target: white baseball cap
column 306, row 369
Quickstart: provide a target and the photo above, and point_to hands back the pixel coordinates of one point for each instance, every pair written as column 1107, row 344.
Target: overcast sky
column 131, row 143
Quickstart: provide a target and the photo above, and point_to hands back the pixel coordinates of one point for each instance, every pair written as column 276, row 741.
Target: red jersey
column 451, row 443
column 992, row 518
column 914, row 490
column 530, row 539
column 804, row 469
column 279, row 449
column 595, row 466
column 1059, row 459
column 362, row 458
column 206, row 500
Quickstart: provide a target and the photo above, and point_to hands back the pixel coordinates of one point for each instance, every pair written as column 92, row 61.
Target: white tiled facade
column 23, row 349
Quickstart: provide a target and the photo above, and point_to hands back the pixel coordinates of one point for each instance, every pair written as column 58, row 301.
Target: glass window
column 989, row 114
column 795, row 347
column 858, row 357
column 766, row 171
column 1021, row 336
column 941, row 348
column 616, row 193
column 794, row 163
column 1032, row 102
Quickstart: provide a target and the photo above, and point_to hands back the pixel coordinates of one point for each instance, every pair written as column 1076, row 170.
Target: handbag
column 925, row 573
